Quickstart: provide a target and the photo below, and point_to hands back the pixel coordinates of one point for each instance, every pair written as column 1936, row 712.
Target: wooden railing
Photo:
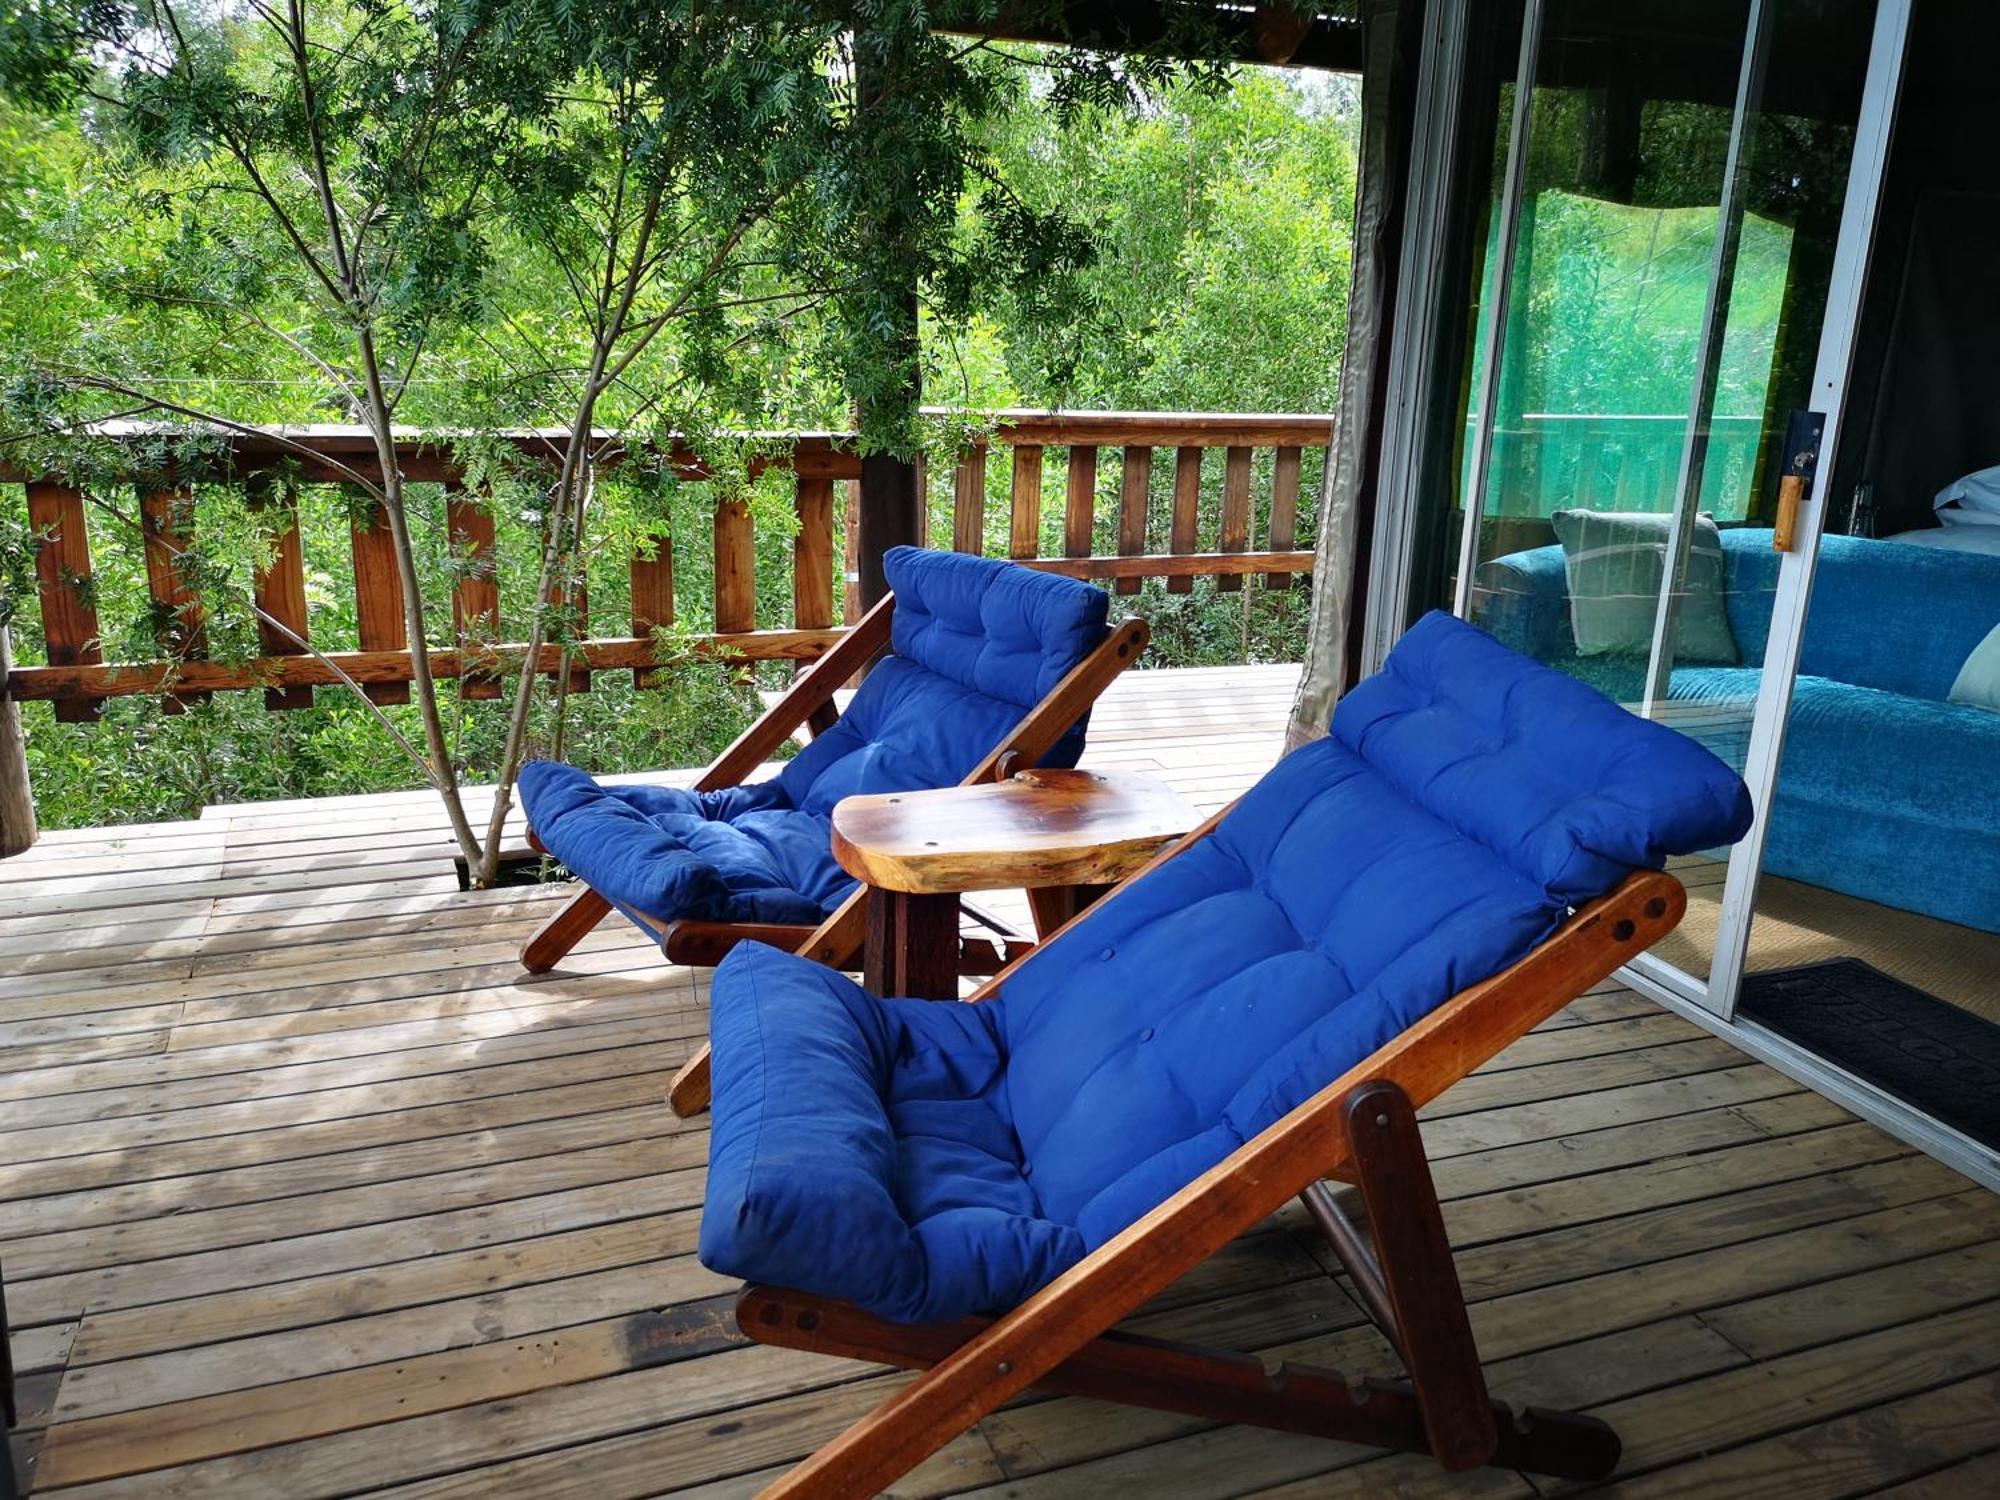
column 1127, row 540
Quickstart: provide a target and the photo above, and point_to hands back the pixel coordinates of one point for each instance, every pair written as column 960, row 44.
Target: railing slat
column 652, row 599
column 1235, row 513
column 475, row 597
column 968, row 502
column 1135, row 498
column 378, row 592
column 1284, row 532
column 162, row 517
column 574, row 599
column 1079, row 512
column 1181, row 534
column 735, row 568
column 62, row 577
column 280, row 592
column 812, row 556
column 1025, row 531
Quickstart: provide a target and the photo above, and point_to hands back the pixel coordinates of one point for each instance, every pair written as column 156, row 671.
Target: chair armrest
column 814, row 689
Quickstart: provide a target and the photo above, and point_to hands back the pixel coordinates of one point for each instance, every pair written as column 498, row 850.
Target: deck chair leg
column 1402, row 1270
column 569, row 926
column 1221, row 1385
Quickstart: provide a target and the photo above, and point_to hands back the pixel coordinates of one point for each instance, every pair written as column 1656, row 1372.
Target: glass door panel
column 1650, row 307
column 1877, row 847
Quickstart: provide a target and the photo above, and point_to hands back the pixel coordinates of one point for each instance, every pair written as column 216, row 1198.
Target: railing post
column 17, row 798
column 891, row 516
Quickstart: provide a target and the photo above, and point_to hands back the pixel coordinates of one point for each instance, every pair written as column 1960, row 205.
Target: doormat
column 1936, row 1057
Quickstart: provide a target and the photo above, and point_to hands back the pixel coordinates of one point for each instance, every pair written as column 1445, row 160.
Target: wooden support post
column 891, row 515
column 17, row 798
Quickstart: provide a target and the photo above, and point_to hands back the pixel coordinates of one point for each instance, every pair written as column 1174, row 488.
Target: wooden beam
column 1266, row 33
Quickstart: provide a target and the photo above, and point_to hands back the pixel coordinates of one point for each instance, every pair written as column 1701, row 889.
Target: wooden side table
column 1063, row 836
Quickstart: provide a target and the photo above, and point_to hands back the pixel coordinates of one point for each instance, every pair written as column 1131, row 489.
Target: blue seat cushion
column 1465, row 799
column 857, row 1145
column 742, row 855
column 974, row 645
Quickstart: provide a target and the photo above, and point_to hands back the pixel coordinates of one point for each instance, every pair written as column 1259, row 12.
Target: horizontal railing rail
column 1111, row 531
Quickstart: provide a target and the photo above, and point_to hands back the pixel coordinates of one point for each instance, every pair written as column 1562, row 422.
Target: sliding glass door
column 1673, row 258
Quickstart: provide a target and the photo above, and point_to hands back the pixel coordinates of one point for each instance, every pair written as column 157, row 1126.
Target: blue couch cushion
column 975, row 643
column 1465, row 798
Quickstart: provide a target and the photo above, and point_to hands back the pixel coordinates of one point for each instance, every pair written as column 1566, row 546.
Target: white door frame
column 1852, row 253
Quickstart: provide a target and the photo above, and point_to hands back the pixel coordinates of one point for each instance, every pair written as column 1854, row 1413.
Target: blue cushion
column 932, row 1160
column 975, row 643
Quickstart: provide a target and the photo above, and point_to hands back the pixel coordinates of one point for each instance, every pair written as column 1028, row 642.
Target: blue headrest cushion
column 1000, row 629
column 1568, row 788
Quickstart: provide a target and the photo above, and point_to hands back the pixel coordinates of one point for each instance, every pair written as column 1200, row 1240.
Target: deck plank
column 305, row 1189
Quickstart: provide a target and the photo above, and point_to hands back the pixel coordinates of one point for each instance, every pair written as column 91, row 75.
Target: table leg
column 1053, row 905
column 912, row 946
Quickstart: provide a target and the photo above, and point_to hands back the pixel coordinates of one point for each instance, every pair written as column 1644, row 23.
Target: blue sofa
column 1887, row 791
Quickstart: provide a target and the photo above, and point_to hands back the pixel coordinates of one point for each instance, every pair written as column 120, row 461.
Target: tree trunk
column 17, row 800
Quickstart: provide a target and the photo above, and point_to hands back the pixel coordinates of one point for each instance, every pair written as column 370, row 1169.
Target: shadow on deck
column 305, row 1190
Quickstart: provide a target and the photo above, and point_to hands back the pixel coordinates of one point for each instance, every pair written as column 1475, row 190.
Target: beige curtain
column 1381, row 170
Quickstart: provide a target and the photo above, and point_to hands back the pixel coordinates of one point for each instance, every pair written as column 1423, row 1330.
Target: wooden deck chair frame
column 1361, row 1129
column 838, row 940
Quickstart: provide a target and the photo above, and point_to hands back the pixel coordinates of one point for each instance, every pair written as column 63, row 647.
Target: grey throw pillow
column 1616, row 561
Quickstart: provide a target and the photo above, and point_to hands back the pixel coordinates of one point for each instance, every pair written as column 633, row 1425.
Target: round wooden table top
column 1039, row 828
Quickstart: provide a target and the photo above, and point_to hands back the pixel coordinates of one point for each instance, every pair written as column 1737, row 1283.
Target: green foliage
column 1081, row 229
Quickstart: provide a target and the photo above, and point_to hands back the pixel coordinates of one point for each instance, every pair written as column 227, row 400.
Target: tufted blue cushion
column 931, row 1160
column 975, row 643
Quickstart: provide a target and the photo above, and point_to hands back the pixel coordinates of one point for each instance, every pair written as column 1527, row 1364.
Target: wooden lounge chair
column 982, row 1191
column 998, row 669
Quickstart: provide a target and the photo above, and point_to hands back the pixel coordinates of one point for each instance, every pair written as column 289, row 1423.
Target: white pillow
column 1971, row 501
column 1978, row 684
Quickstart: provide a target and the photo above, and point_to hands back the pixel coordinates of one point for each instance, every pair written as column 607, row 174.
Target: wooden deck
column 304, row 1191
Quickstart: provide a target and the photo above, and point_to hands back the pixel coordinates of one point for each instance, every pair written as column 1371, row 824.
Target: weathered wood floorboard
column 306, row 1190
